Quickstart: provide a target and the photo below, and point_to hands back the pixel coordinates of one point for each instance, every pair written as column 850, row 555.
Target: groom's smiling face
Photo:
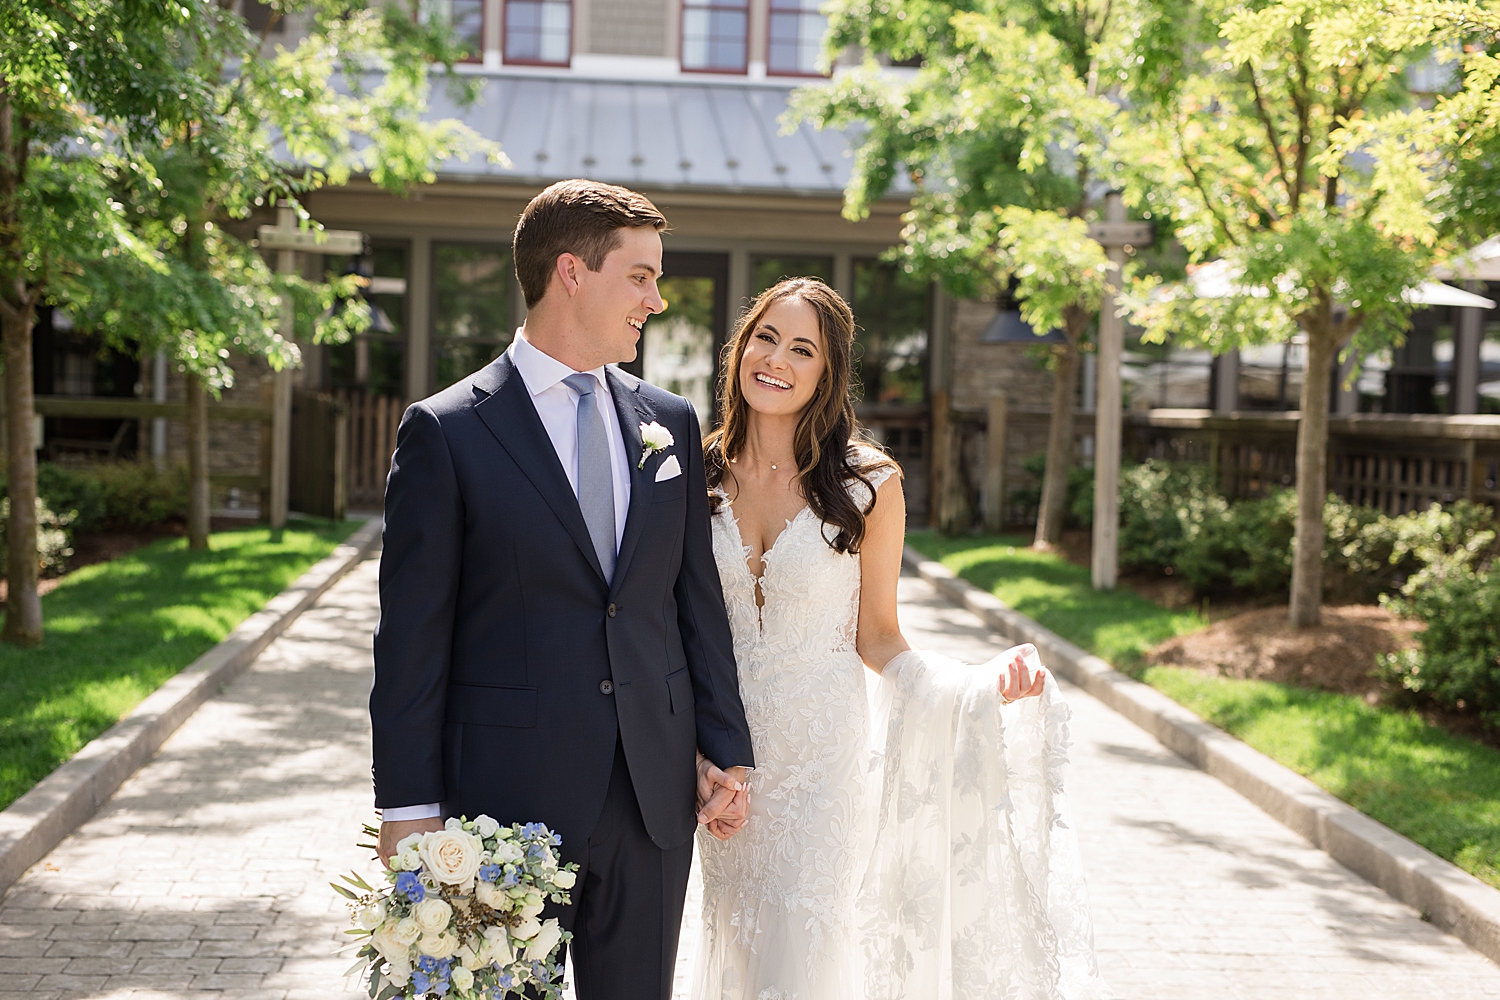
column 614, row 302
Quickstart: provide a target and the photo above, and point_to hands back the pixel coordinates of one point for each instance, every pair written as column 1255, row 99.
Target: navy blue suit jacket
column 498, row 629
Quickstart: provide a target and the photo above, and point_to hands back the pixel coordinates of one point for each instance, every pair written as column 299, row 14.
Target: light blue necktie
column 596, row 481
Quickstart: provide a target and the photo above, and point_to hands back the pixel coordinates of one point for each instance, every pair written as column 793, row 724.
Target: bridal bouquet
column 460, row 917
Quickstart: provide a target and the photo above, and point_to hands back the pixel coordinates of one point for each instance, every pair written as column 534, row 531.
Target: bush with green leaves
column 54, row 542
column 113, row 496
column 1456, row 595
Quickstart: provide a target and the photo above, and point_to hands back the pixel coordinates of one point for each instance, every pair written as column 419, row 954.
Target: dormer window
column 716, row 35
column 795, row 38
column 539, row 32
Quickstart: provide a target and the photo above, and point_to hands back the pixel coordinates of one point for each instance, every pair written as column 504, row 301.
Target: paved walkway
column 206, row 876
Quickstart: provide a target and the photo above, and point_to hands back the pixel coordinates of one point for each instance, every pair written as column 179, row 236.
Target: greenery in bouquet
column 461, row 915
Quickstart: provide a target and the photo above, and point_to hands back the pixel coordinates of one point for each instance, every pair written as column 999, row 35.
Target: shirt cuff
column 401, row 814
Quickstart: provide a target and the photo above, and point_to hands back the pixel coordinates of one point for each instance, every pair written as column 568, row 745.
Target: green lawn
column 1117, row 625
column 113, row 632
column 1441, row 790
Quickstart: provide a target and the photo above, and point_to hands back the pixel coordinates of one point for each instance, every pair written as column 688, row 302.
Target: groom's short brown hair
column 578, row 217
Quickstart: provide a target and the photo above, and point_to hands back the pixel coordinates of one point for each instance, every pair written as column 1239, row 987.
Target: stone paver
column 206, row 875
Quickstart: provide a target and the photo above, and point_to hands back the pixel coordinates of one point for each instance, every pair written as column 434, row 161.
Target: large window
column 716, row 35
column 374, row 361
column 766, row 271
column 796, row 37
column 466, row 19
column 892, row 311
column 471, row 317
column 539, row 32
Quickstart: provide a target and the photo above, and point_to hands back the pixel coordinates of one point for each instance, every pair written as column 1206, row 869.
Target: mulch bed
column 1337, row 655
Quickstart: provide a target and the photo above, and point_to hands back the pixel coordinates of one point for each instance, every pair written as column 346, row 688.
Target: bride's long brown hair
column 827, row 427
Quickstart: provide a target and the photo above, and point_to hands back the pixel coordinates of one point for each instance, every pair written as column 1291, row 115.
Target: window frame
column 747, row 7
column 771, row 11
column 505, row 36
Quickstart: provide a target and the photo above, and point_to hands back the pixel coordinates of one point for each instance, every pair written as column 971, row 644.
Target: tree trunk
column 197, row 446
column 1049, row 518
column 23, row 605
column 1312, row 477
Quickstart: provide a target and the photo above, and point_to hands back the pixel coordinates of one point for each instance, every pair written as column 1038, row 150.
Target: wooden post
column 1113, row 235
column 340, row 461
column 941, row 441
column 1464, row 387
column 286, row 238
column 994, row 466
column 197, row 447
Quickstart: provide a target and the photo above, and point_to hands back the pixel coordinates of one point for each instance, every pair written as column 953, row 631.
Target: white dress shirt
column 557, row 405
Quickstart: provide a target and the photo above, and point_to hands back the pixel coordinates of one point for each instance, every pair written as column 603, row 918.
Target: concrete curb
column 61, row 802
column 1445, row 894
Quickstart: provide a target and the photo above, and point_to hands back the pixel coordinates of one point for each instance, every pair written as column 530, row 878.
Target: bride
column 906, row 846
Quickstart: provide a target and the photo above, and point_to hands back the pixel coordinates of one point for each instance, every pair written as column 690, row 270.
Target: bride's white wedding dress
column 933, row 862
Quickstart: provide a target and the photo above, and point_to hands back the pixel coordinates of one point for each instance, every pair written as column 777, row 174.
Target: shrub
column 1079, row 497
column 113, row 495
column 133, row 495
column 1170, row 516
column 54, row 542
column 1457, row 597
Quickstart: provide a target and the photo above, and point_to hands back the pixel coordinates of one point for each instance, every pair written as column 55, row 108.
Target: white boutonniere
column 654, row 438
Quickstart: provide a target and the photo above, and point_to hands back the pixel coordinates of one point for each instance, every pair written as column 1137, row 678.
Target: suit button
column 612, row 610
column 606, row 687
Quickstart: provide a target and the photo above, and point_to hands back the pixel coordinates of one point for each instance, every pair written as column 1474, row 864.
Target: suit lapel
column 511, row 416
column 633, row 411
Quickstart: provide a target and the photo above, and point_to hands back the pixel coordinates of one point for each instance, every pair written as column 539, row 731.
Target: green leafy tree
column 130, row 132
column 1005, row 133
column 274, row 127
column 83, row 83
column 1289, row 145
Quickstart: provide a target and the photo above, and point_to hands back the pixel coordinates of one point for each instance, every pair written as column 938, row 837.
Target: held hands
column 1017, row 680
column 723, row 799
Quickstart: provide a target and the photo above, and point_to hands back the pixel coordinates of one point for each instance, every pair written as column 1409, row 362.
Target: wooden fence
column 372, row 440
column 1395, row 462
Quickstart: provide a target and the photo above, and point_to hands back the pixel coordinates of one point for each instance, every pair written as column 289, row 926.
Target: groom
column 552, row 644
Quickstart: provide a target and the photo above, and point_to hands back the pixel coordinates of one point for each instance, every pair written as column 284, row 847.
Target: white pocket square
column 668, row 469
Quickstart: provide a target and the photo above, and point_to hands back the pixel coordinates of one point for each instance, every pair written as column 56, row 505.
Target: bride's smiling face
column 784, row 359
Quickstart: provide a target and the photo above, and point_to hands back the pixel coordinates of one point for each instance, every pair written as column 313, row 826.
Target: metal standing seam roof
column 656, row 133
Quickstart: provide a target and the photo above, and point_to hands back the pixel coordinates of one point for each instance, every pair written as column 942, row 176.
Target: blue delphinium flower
column 420, row 981
column 410, row 886
column 530, row 830
column 507, row 980
column 511, row 878
column 489, row 871
column 534, row 851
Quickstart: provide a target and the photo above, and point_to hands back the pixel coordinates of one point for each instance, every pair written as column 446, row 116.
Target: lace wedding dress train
column 905, row 843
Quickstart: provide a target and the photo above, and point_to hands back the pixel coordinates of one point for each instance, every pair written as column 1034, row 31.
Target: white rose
column 527, row 929
column 467, row 957
column 439, row 945
column 487, row 894
column 406, row 931
column 399, row 972
column 497, row 946
column 655, row 436
column 463, row 979
column 391, row 948
column 506, row 852
column 541, row 946
column 451, row 856
column 486, row 826
column 532, row 910
column 432, row 915
column 407, row 861
column 372, row 916
column 410, row 842
column 565, row 880
column 453, row 824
